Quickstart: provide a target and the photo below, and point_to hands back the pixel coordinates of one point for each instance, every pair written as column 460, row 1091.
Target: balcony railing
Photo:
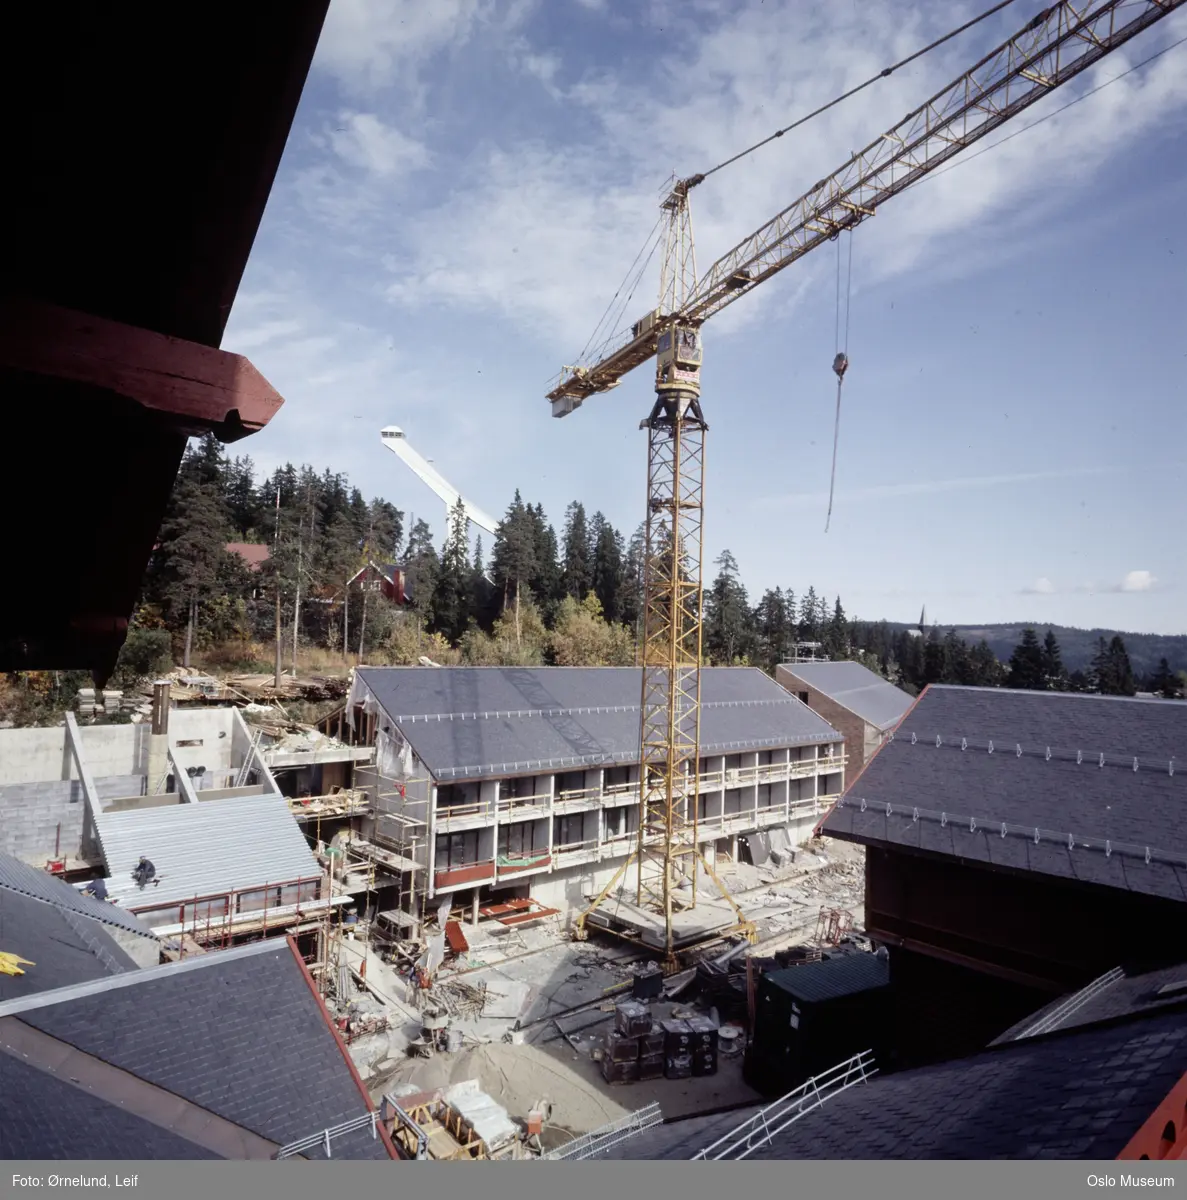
column 577, row 799
column 518, row 807
column 459, row 874
column 463, row 816
column 575, row 851
column 516, row 864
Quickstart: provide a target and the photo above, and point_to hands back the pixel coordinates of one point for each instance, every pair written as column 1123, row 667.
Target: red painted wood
column 195, row 383
column 455, row 937
column 480, row 873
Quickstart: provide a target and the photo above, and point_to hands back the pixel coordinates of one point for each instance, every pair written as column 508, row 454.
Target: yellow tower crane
column 1055, row 46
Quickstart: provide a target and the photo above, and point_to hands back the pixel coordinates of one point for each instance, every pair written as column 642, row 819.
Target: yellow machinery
column 1058, row 44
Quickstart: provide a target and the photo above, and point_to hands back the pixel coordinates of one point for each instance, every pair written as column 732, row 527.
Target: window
column 517, row 789
column 457, row 850
column 570, row 831
column 615, row 822
column 527, row 837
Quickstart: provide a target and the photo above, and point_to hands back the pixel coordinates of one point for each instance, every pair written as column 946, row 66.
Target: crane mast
column 1062, row 41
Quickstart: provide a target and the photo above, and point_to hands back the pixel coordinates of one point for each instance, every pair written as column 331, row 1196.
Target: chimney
column 158, row 742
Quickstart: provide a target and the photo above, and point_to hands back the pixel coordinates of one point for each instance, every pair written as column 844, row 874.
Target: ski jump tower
column 395, row 440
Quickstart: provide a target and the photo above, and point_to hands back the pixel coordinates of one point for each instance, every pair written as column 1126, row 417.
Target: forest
column 534, row 597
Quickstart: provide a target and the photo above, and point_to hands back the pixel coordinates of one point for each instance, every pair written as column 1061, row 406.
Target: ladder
column 249, row 759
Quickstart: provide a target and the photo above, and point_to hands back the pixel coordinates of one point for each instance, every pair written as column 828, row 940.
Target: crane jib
column 1054, row 48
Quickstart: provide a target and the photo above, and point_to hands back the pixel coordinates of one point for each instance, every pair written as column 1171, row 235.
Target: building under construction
column 499, row 786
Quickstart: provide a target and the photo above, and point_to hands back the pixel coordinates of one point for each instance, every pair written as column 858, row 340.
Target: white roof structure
column 210, row 848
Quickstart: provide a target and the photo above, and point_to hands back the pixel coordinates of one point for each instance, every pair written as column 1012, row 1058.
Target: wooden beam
column 198, row 386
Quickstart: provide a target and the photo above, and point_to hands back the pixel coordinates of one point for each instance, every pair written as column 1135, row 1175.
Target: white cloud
column 928, row 487
column 362, row 140
column 1137, row 581
column 1041, row 587
column 543, row 232
column 369, row 44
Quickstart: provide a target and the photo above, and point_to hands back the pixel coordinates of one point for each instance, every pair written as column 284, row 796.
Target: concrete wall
column 30, row 814
column 213, row 729
column 34, row 755
column 568, row 888
column 115, row 749
column 143, row 951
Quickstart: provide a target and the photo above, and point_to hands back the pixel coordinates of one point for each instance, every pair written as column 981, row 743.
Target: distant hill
column 1078, row 645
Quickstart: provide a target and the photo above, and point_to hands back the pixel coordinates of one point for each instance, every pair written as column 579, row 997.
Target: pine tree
column 632, row 583
column 1026, row 664
column 453, row 588
column 773, row 630
column 1165, row 682
column 728, row 621
column 809, row 623
column 1054, row 674
column 577, row 573
column 608, row 568
column 836, row 632
column 421, row 568
column 1112, row 671
column 546, row 582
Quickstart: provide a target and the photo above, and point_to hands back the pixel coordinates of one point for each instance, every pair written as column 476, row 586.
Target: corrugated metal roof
column 204, row 849
column 856, row 688
column 41, row 885
column 845, row 975
column 469, row 722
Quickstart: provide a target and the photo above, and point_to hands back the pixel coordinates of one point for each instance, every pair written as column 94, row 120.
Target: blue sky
column 468, row 181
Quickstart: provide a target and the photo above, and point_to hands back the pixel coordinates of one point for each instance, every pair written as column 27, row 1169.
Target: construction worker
column 144, row 873
column 96, row 888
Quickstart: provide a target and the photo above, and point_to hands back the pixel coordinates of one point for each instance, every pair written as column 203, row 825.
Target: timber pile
column 262, row 689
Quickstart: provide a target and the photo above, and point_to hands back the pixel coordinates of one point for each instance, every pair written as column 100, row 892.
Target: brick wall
column 852, row 728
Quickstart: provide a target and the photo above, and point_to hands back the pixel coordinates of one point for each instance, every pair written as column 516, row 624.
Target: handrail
column 758, row 1131
column 325, row 1138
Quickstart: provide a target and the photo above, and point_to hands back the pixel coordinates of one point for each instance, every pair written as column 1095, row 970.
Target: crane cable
column 886, row 71
column 840, row 365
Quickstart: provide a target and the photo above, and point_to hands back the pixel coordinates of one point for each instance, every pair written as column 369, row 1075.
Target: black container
column 648, row 984
column 620, row 1072
column 678, row 1066
column 632, row 1018
column 652, row 1043
column 704, row 1034
column 651, row 1066
column 620, row 1048
column 813, row 1017
column 704, row 1062
column 677, row 1036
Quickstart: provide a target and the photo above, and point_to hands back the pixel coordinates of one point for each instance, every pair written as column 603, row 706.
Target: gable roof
column 831, row 978
column 1072, row 786
column 254, row 554
column 56, row 1121
column 59, row 947
column 240, row 1033
column 1120, row 993
column 17, row 876
column 209, row 848
column 856, row 688
column 1081, row 1095
column 470, row 722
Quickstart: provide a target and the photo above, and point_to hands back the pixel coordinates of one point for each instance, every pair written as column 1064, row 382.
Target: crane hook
column 841, row 365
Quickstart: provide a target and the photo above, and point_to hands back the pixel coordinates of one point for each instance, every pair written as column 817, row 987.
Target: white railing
column 757, row 1132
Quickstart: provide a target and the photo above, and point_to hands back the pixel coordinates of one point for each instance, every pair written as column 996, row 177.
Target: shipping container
column 620, row 1048
column 651, row 1066
column 652, row 1043
column 677, row 1036
column 620, row 1072
column 678, row 1066
column 815, row 1016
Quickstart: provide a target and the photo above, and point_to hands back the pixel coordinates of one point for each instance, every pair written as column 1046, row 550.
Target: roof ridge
column 78, row 991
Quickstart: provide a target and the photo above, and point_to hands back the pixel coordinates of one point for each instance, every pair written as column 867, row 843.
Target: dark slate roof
column 856, row 688
column 63, row 948
column 239, row 1032
column 1124, row 992
column 679, row 1139
column 17, row 876
column 1062, row 813
column 1080, row 1095
column 469, row 722
column 833, row 977
column 44, row 1118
